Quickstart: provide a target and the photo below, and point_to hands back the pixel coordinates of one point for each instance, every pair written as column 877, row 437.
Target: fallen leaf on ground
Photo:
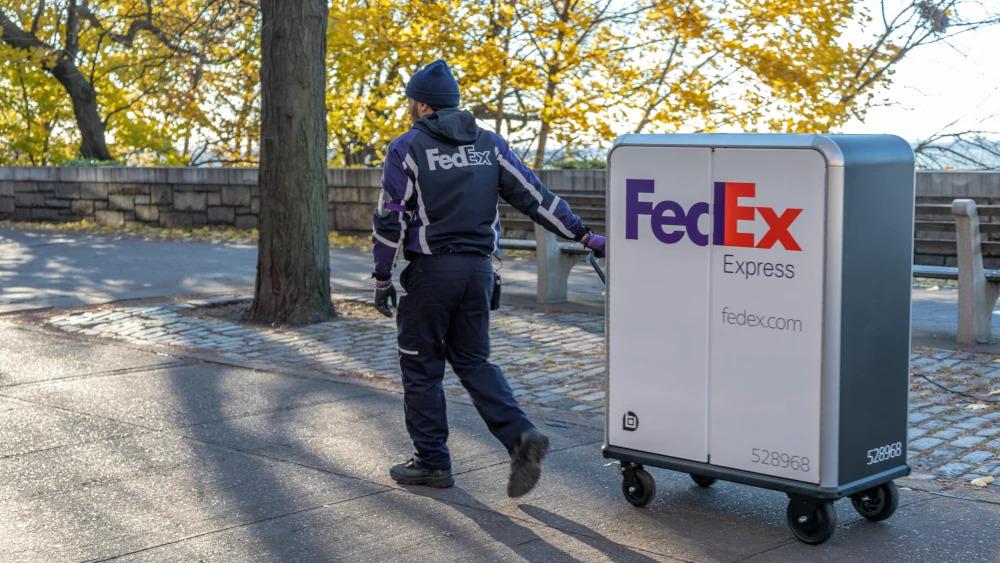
column 983, row 481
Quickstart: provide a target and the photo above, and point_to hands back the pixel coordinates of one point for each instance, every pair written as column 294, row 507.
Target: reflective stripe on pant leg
column 422, row 320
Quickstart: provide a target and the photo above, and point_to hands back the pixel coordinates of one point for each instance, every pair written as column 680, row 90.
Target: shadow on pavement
column 296, row 448
column 527, row 544
column 42, row 269
column 614, row 551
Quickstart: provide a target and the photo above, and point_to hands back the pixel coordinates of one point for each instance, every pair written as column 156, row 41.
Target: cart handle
column 597, row 267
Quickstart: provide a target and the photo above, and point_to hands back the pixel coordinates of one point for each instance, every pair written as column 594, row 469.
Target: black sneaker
column 526, row 463
column 412, row 473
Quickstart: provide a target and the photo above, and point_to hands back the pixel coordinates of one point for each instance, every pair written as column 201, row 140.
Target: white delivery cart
column 759, row 316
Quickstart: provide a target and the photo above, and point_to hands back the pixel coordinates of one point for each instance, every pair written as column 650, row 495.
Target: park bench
column 978, row 288
column 555, row 259
column 589, row 207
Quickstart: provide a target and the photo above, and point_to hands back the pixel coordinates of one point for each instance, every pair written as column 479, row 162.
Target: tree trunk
column 546, row 128
column 543, row 139
column 498, row 115
column 81, row 92
column 84, row 98
column 293, row 259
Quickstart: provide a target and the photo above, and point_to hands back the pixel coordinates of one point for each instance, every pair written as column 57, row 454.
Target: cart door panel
column 766, row 312
column 658, row 300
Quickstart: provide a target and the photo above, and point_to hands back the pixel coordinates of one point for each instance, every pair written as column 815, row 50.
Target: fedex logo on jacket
column 465, row 156
column 670, row 222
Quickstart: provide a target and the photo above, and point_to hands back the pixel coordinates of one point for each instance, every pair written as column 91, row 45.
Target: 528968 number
column 779, row 459
column 886, row 452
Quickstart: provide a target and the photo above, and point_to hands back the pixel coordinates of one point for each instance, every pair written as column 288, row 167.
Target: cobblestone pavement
column 954, row 433
column 553, row 359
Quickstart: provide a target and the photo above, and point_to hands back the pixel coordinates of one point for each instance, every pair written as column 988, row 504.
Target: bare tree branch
column 38, row 17
column 963, row 148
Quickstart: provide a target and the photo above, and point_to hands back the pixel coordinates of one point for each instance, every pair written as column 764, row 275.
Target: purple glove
column 597, row 243
column 385, row 297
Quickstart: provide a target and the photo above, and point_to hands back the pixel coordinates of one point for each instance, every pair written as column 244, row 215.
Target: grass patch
column 934, row 284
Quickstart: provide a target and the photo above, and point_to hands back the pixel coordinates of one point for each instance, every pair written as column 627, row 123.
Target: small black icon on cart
column 630, row 422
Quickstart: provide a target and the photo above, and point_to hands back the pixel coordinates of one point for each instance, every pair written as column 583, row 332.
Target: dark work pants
column 445, row 315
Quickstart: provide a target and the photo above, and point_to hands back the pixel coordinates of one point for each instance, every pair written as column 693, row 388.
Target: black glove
column 385, row 297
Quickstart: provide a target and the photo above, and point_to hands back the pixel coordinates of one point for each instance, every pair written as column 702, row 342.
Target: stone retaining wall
column 168, row 197
column 193, row 197
column 188, row 197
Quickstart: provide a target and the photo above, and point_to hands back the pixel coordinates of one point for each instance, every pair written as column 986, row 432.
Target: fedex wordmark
column 670, row 221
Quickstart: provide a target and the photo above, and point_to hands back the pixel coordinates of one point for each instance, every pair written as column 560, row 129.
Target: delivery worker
column 441, row 185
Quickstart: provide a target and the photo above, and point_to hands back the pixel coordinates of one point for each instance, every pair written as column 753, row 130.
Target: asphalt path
column 41, row 269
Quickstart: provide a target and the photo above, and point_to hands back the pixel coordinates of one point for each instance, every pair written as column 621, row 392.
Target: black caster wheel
column 812, row 521
column 877, row 503
column 702, row 481
column 638, row 485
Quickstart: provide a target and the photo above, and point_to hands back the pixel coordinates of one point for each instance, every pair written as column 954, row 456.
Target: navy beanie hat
column 434, row 85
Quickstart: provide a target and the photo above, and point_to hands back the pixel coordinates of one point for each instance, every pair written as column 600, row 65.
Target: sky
column 941, row 83
column 957, row 80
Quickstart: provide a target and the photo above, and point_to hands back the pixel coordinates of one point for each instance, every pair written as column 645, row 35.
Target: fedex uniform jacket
column 441, row 186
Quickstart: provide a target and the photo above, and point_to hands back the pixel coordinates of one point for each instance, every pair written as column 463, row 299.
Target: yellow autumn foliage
column 177, row 80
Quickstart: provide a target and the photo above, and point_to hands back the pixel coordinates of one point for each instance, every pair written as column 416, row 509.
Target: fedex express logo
column 670, row 222
column 465, row 156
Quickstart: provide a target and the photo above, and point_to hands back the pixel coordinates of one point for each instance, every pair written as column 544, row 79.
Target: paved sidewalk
column 554, row 360
column 114, row 451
